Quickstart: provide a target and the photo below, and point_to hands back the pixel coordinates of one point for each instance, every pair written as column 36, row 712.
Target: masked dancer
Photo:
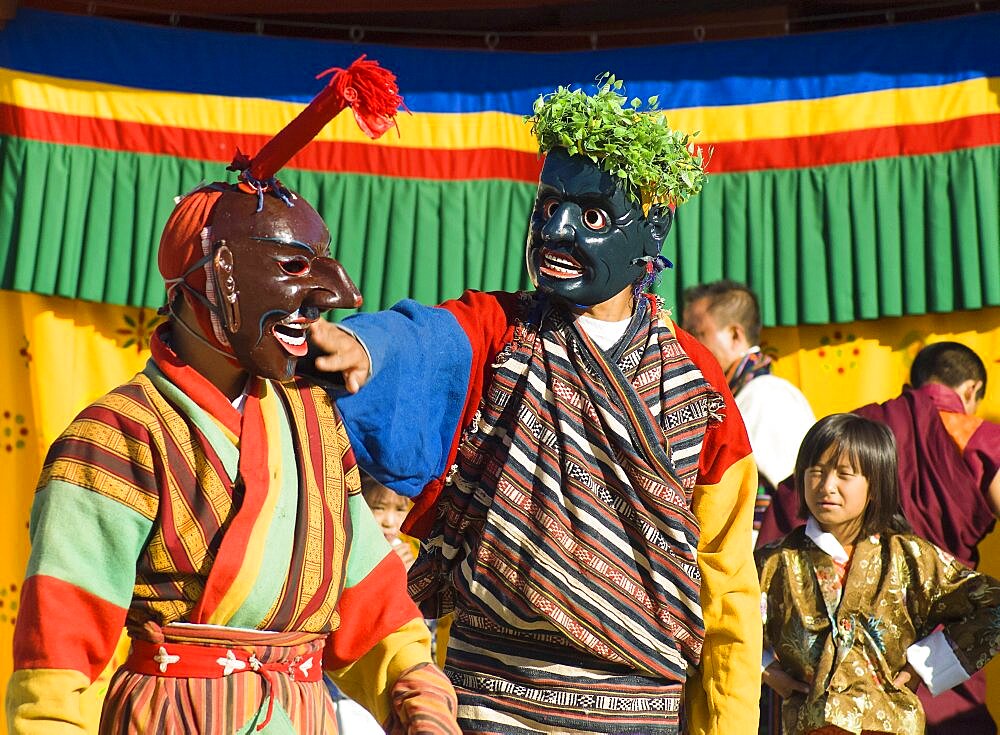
column 213, row 505
column 584, row 483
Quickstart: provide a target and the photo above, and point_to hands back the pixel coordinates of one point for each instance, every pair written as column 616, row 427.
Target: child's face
column 837, row 495
column 389, row 510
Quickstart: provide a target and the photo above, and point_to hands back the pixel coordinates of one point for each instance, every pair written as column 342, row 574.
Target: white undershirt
column 604, row 334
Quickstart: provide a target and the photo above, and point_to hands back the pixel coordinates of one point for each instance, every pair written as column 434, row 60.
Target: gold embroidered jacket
column 849, row 642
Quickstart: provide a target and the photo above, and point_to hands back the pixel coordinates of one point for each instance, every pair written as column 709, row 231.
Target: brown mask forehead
column 236, row 220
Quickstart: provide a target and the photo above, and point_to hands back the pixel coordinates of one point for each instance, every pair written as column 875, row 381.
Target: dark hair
column 370, row 486
column 871, row 447
column 729, row 302
column 948, row 363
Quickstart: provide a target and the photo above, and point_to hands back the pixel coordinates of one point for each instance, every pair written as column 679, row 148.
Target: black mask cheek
column 602, row 287
column 530, row 252
column 612, row 268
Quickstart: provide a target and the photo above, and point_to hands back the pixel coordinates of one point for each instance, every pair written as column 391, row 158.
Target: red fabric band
column 188, row 660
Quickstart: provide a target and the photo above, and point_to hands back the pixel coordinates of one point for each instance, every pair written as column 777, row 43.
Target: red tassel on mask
column 366, row 87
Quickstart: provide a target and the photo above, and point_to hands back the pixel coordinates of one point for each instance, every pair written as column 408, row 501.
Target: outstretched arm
column 341, row 352
column 428, row 369
column 413, row 362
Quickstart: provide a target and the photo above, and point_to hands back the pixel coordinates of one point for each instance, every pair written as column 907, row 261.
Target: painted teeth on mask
column 290, row 330
column 561, row 264
column 290, row 340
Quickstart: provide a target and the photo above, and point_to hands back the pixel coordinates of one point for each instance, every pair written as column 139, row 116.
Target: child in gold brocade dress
column 857, row 610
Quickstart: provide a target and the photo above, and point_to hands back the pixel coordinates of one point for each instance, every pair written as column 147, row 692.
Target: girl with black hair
column 857, row 610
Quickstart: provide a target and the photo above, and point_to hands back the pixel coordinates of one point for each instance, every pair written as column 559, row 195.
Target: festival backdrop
column 854, row 185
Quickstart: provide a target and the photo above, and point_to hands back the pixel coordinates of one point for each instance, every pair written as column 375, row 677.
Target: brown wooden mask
column 274, row 277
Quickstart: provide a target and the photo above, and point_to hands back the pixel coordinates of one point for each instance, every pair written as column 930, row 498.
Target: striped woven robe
column 162, row 504
column 593, row 532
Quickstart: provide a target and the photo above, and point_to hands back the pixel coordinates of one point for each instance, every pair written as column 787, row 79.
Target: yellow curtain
column 57, row 355
column 843, row 366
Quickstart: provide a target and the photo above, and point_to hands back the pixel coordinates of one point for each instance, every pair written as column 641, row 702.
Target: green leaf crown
column 654, row 163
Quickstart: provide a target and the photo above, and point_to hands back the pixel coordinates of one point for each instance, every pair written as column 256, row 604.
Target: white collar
column 604, row 334
column 240, row 402
column 827, row 542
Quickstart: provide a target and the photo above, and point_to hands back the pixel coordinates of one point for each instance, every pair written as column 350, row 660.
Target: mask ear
column 229, row 297
column 660, row 218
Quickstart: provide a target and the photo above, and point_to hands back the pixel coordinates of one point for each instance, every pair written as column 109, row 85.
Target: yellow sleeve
column 47, row 702
column 368, row 681
column 441, row 635
column 722, row 697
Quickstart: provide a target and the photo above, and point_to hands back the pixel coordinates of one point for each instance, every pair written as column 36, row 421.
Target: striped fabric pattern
column 145, row 515
column 423, row 701
column 588, row 472
column 140, row 703
column 764, row 103
column 161, row 462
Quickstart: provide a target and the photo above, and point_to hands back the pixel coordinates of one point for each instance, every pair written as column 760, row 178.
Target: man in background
column 725, row 317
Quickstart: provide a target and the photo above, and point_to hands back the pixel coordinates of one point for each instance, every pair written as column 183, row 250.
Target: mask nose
column 334, row 288
column 560, row 227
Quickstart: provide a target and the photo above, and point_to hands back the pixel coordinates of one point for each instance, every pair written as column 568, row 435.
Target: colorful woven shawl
column 571, row 501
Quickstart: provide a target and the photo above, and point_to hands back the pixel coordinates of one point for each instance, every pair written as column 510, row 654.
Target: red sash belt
column 190, row 660
column 196, row 661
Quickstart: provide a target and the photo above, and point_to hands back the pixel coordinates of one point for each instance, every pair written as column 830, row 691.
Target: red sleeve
column 369, row 611
column 62, row 626
column 487, row 319
column 726, row 442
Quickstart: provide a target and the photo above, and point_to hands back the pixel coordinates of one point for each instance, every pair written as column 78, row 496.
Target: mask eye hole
column 595, row 219
column 297, row 266
column 549, row 207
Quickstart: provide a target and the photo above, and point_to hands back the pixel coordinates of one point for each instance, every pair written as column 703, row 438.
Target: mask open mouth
column 556, row 264
column 291, row 333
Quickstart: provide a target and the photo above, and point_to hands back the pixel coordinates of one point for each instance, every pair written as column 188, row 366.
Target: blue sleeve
column 402, row 423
